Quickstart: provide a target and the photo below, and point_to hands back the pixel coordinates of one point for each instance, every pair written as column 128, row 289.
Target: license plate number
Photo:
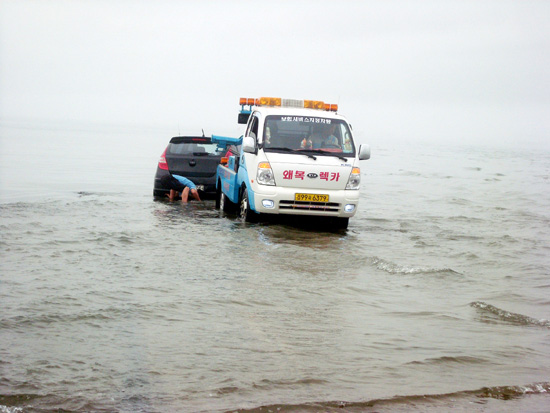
column 200, row 187
column 311, row 197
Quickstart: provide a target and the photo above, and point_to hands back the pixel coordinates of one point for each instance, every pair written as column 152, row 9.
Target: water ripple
column 393, row 268
column 507, row 316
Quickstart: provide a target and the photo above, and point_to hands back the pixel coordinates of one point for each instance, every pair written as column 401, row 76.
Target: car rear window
column 189, row 148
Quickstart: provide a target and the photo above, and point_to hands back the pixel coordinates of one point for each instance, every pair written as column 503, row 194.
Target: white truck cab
column 297, row 157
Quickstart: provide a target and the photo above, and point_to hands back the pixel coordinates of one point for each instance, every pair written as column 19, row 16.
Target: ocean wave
column 101, row 315
column 415, row 403
column 467, row 399
column 393, row 268
column 34, row 402
column 99, row 194
column 507, row 316
column 450, row 360
column 511, row 392
column 6, row 409
column 265, row 383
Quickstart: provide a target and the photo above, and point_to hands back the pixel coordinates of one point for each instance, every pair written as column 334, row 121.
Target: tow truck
column 296, row 157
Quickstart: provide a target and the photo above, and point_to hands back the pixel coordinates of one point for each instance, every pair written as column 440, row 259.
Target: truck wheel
column 245, row 213
column 341, row 223
column 218, row 196
column 223, row 202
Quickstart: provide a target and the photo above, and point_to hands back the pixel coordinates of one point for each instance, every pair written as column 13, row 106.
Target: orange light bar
column 270, row 101
column 264, row 101
column 246, row 101
column 224, row 160
column 264, row 165
column 356, row 171
column 314, row 104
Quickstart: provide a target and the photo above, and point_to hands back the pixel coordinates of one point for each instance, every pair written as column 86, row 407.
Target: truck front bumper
column 279, row 200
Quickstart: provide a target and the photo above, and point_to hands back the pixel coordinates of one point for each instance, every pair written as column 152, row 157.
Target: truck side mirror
column 249, row 144
column 364, row 152
column 243, row 118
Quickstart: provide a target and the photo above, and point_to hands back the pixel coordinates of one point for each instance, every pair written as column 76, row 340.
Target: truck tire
column 245, row 212
column 218, row 197
column 223, row 202
column 340, row 223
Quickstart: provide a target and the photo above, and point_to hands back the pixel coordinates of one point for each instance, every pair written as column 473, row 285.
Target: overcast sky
column 473, row 71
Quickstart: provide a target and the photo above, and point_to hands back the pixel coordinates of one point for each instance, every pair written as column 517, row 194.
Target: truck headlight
column 265, row 174
column 354, row 179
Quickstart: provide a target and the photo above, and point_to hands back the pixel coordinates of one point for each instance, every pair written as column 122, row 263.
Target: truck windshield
column 317, row 134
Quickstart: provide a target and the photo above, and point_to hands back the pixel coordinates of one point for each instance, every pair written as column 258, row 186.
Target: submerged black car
column 195, row 158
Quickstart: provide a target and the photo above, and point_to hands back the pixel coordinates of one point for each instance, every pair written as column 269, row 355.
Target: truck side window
column 254, row 128
column 248, row 127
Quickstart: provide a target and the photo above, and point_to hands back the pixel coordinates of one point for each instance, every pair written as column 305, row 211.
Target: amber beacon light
column 289, row 103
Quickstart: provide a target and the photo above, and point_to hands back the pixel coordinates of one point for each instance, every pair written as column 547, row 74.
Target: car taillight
column 162, row 161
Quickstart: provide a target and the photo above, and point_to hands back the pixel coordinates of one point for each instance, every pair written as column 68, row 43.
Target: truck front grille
column 310, row 206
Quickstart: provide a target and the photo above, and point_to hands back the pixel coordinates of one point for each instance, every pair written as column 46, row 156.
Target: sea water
column 436, row 298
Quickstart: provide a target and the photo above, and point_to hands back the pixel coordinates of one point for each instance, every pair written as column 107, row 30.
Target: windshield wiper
column 280, row 148
column 285, row 149
column 325, row 153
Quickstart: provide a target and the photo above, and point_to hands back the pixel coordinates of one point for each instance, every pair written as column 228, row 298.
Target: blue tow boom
column 226, row 174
